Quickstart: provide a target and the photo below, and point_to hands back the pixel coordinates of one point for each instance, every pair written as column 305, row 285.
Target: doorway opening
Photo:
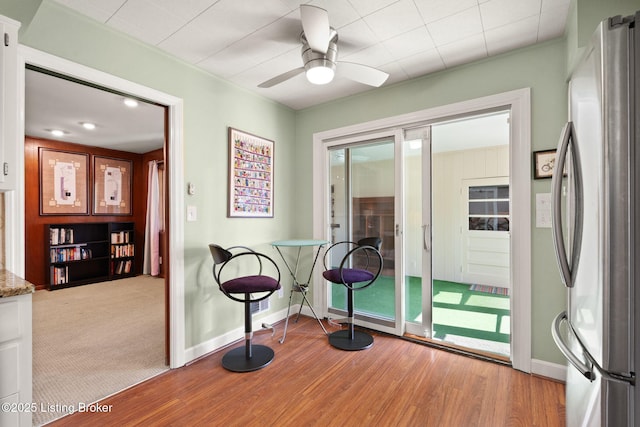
column 174, row 303
column 95, row 269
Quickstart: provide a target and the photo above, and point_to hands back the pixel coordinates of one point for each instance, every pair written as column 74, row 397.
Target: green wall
column 210, row 105
column 542, row 68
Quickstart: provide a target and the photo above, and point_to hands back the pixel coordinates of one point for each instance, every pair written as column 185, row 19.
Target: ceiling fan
column 320, row 53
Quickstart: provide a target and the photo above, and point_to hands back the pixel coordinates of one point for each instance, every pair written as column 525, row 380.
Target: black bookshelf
column 79, row 254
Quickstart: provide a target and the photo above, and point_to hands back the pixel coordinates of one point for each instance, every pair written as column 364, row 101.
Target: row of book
column 121, row 251
column 120, row 236
column 121, row 267
column 60, row 236
column 59, row 275
column 75, row 253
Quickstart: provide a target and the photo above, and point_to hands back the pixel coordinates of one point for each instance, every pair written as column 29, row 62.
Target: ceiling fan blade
column 281, row 78
column 315, row 24
column 362, row 73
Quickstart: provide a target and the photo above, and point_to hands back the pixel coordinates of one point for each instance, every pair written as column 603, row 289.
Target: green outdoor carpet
column 457, row 310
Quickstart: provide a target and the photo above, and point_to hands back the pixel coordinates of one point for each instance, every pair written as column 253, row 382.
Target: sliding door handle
column 426, row 237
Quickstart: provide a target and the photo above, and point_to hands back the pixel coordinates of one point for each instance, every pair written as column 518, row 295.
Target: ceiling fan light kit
column 320, row 53
column 320, row 67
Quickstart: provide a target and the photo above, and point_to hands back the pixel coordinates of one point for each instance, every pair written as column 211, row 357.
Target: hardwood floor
column 394, row 383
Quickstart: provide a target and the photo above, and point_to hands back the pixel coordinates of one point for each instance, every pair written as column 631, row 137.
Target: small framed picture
column 112, row 186
column 543, row 163
column 250, row 176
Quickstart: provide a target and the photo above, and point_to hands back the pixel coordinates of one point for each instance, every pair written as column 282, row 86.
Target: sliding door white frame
column 519, row 103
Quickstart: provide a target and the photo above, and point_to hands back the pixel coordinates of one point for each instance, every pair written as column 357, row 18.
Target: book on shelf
column 122, row 250
column 60, row 236
column 59, row 275
column 75, row 253
column 120, row 237
column 122, row 267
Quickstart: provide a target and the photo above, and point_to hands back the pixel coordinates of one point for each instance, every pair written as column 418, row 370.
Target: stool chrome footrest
column 266, row 327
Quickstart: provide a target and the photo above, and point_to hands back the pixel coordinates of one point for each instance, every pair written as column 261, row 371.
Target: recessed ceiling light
column 132, row 103
column 88, row 125
column 57, row 132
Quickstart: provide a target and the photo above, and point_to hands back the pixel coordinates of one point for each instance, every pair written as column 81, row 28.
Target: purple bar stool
column 250, row 357
column 359, row 268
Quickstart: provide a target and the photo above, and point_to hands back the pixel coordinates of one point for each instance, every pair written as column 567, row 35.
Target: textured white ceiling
column 250, row 41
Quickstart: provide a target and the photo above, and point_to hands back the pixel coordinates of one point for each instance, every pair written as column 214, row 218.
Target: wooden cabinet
column 84, row 253
column 15, row 361
column 8, row 103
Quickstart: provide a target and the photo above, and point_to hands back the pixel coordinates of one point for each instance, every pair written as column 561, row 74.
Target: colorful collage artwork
column 251, row 175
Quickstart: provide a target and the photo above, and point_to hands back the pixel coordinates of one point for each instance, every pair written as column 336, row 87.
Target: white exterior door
column 485, row 232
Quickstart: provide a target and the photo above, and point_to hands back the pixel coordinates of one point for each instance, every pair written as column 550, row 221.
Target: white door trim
column 519, row 102
column 15, row 200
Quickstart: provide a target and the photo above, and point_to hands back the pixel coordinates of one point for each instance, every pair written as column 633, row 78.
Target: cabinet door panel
column 9, row 370
column 9, row 325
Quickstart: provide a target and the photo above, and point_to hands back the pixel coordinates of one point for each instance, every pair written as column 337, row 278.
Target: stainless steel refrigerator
column 596, row 205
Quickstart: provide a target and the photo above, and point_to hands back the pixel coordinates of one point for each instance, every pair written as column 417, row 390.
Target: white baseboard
column 549, row 370
column 216, row 343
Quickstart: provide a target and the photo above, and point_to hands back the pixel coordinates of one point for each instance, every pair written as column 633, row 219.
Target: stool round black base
column 236, row 360
column 360, row 341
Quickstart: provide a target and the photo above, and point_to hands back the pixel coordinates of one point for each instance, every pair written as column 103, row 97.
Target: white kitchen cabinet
column 15, row 361
column 8, row 103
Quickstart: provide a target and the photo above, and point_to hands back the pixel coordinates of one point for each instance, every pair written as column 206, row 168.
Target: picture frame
column 64, row 182
column 251, row 169
column 543, row 164
column 112, row 180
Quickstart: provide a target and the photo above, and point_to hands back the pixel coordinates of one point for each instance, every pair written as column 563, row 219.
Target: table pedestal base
column 302, row 289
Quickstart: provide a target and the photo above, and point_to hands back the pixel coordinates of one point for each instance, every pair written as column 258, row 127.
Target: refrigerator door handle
column 582, row 367
column 566, row 268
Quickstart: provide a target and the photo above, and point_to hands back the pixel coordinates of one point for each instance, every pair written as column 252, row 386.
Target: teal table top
column 299, row 242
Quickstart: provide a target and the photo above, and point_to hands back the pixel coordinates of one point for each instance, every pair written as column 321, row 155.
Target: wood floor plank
column 394, row 383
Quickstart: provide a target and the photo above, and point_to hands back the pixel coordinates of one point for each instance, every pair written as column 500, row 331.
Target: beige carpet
column 92, row 341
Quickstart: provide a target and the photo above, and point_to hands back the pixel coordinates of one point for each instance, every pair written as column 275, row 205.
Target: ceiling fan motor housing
column 312, row 59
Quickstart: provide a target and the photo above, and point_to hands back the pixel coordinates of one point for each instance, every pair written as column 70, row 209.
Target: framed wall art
column 543, row 163
column 64, row 182
column 250, row 175
column 111, row 186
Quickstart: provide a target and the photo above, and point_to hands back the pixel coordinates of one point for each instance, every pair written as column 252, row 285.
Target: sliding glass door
column 438, row 195
column 363, row 204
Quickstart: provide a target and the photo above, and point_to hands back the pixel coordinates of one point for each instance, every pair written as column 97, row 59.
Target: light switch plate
column 192, row 213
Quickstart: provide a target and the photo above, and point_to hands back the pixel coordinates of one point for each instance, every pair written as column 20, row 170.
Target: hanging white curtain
column 152, row 232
